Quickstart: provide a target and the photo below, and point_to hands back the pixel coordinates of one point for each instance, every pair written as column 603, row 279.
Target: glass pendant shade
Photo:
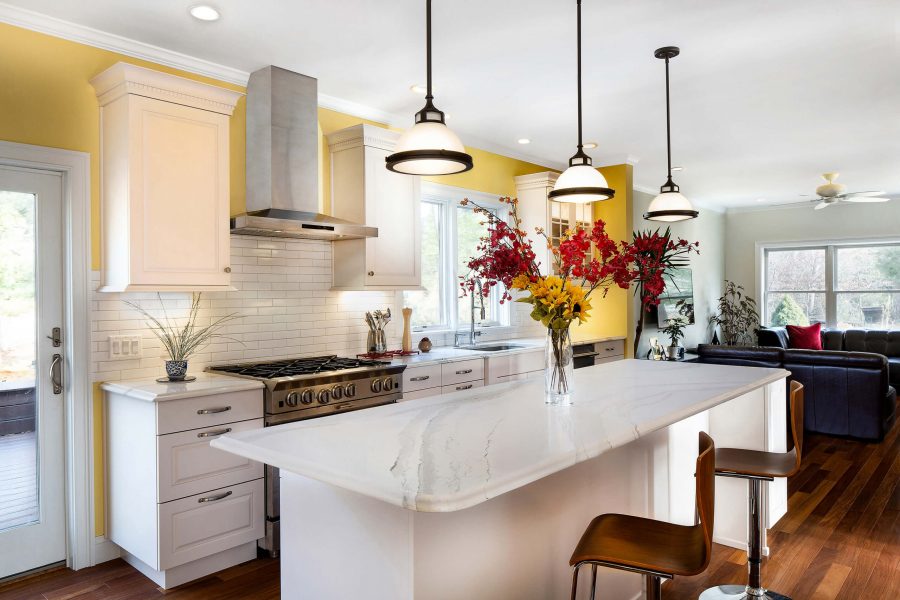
column 429, row 148
column 581, row 184
column 670, row 207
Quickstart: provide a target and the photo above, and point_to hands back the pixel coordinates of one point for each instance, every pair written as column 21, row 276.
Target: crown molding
column 362, row 135
column 35, row 21
column 536, row 180
column 348, row 107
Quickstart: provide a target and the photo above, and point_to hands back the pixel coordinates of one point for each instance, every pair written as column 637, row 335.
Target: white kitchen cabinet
column 537, row 210
column 364, row 191
column 177, row 507
column 503, row 368
column 165, row 170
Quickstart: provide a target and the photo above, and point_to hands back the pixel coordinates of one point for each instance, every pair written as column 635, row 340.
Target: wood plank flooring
column 839, row 540
column 18, row 480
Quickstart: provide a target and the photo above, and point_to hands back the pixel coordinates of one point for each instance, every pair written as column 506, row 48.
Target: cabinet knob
column 371, row 273
column 228, row 269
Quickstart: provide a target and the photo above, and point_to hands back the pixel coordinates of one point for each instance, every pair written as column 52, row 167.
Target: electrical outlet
column 124, row 347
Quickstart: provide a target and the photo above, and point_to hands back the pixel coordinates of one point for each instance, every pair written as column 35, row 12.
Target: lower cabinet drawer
column 188, row 465
column 206, row 411
column 461, row 371
column 449, row 389
column 611, row 348
column 201, row 525
column 420, row 378
column 435, row 391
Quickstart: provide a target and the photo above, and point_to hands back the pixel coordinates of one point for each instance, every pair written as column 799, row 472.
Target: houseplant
column 182, row 341
column 736, row 315
column 586, row 262
column 674, row 329
column 655, row 254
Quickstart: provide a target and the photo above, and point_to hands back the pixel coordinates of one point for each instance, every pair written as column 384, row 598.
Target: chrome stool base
column 738, row 592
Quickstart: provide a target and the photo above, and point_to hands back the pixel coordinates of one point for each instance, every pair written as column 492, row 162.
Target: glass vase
column 559, row 376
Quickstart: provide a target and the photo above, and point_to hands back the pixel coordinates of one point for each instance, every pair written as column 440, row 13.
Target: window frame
column 448, row 198
column 831, row 290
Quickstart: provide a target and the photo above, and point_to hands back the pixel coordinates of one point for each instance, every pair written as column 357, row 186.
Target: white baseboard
column 104, row 550
column 737, row 544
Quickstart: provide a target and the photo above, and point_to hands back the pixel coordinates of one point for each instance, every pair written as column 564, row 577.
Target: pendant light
column 581, row 182
column 670, row 205
column 429, row 147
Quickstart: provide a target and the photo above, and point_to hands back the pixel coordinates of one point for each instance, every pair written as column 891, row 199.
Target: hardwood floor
column 840, row 539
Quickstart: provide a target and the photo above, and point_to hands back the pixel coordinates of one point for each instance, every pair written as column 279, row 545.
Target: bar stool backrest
column 797, row 422
column 706, row 491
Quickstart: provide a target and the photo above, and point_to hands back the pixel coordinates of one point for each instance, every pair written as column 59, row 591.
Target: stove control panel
column 336, row 394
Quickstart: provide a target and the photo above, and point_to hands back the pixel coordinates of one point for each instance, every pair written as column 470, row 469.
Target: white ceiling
column 765, row 95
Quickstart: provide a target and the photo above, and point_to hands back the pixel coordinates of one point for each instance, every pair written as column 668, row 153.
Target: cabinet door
column 392, row 205
column 179, row 204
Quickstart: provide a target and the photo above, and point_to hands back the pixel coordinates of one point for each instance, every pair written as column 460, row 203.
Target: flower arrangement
column 653, row 255
column 586, row 262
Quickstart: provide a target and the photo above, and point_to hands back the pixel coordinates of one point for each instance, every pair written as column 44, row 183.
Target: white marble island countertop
column 451, row 452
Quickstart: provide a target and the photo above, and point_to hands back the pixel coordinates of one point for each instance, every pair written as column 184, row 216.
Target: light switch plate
column 125, row 347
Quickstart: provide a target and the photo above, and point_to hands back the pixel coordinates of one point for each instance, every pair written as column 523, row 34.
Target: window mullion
column 830, row 297
column 451, row 289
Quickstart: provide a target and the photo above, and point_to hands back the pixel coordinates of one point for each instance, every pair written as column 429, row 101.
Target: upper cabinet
column 364, row 191
column 537, row 210
column 165, row 170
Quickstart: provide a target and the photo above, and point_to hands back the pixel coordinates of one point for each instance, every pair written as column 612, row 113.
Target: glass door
column 32, row 491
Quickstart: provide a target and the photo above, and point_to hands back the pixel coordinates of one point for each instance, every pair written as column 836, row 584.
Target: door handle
column 214, row 498
column 56, row 373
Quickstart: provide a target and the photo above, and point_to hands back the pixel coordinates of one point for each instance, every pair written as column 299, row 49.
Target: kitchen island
column 484, row 493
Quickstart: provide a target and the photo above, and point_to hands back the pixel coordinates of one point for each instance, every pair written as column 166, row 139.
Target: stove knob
column 337, row 392
column 350, row 390
column 376, row 385
column 291, row 399
column 324, row 397
column 388, row 384
column 306, row 397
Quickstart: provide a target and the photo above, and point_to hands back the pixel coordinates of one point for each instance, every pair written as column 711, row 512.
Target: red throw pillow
column 805, row 338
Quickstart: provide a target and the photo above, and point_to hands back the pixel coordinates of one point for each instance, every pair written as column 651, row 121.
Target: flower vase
column 559, row 377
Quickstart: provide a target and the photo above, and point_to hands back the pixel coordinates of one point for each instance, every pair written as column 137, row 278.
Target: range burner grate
column 297, row 366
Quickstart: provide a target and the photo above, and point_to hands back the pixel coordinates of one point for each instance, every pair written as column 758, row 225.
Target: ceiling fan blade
column 863, row 194
column 822, row 205
column 861, row 199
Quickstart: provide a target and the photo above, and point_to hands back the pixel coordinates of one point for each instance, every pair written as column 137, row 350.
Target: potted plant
column 182, row 341
column 737, row 316
column 674, row 329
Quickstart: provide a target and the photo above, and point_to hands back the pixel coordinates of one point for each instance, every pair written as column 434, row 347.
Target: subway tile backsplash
column 286, row 305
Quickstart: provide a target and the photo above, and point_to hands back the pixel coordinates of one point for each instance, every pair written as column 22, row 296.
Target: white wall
column 708, row 269
column 744, row 229
column 288, row 309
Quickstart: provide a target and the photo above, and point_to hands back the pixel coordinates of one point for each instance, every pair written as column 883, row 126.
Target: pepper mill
column 407, row 336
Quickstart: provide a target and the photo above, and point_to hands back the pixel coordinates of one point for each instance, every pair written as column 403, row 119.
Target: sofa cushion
column 833, row 339
column 805, row 338
column 775, row 337
column 873, row 340
column 894, row 370
column 745, row 356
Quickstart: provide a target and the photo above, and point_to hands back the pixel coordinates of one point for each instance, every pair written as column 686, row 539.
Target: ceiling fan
column 832, row 193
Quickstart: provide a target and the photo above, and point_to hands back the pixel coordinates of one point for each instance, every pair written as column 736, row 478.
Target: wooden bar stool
column 656, row 549
column 757, row 466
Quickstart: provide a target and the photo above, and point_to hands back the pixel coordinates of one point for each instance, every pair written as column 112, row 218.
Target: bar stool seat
column 643, row 544
column 656, row 549
column 755, row 463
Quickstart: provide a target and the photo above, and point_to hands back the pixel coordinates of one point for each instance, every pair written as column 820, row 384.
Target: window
column 450, row 235
column 843, row 286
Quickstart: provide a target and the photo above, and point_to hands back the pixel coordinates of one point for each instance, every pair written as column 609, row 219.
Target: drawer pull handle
column 421, row 378
column 610, row 349
column 214, row 498
column 464, row 387
column 212, row 411
column 206, row 434
column 464, row 372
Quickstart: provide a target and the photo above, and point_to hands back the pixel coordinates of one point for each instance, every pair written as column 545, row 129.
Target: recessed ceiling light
column 418, row 89
column 205, row 12
column 590, row 145
column 524, row 141
column 678, row 168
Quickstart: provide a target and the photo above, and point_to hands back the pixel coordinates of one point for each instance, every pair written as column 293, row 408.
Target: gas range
column 303, row 388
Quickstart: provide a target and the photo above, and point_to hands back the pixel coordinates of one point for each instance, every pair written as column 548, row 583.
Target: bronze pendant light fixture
column 581, row 182
column 429, row 147
column 670, row 205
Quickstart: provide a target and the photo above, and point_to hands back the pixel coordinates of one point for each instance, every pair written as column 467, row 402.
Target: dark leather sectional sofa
column 847, row 393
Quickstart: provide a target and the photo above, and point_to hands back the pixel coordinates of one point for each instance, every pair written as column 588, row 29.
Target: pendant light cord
column 668, row 124
column 428, row 95
column 580, row 146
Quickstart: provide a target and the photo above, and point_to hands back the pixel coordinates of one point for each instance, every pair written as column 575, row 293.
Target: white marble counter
column 455, row 451
column 206, row 384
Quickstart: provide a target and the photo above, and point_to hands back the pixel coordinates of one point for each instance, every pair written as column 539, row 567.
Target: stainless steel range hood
column 283, row 162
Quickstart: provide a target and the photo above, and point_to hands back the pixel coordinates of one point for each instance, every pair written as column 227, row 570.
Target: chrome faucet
column 472, row 334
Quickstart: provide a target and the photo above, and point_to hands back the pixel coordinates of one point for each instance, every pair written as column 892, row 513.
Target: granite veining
column 454, row 451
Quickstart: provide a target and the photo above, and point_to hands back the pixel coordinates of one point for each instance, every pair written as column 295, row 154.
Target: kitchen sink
column 492, row 347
